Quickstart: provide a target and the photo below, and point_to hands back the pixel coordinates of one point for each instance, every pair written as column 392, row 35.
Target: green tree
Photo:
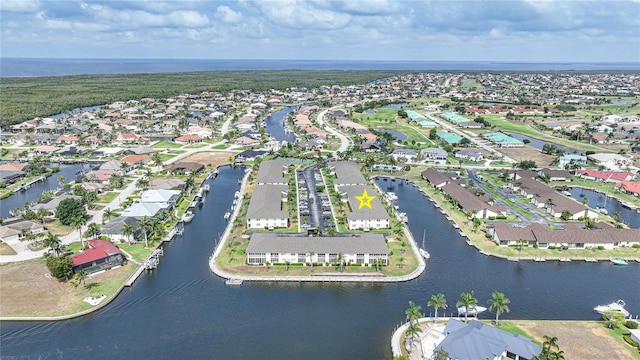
column 145, row 226
column 433, row 134
column 77, row 223
column 468, row 301
column 413, row 312
column 54, row 243
column 69, row 209
column 412, row 333
column 440, row 354
column 61, row 267
column 500, row 303
column 80, row 277
column 108, row 214
column 127, row 231
column 438, row 301
column 93, row 230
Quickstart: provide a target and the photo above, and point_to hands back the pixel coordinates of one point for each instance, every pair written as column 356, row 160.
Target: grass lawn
column 524, row 129
column 165, row 157
column 137, row 250
column 220, row 147
column 166, row 145
column 107, row 197
column 196, row 146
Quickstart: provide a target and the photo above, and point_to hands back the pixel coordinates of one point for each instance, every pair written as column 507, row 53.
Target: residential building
column 265, row 208
column 363, row 249
column 101, row 255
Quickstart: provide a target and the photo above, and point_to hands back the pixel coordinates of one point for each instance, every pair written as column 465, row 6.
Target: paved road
column 345, row 142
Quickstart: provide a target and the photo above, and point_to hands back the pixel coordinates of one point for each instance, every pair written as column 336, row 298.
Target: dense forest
column 26, row 98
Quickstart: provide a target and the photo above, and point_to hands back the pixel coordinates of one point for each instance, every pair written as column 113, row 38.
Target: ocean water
column 33, row 67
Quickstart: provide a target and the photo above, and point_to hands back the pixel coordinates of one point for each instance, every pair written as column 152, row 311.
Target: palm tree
column 145, row 225
column 81, row 276
column 412, row 332
column 310, row 255
column 468, row 302
column 500, row 303
column 53, row 242
column 93, row 230
column 77, row 224
column 437, row 301
column 413, row 312
column 108, row 214
column 127, row 231
column 340, row 260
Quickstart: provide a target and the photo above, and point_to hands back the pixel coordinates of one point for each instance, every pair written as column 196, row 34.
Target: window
column 360, row 259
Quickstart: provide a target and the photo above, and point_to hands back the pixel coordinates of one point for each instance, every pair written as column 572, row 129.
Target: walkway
column 345, row 142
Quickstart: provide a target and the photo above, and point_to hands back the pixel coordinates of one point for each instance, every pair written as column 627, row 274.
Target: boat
column 403, row 217
column 206, row 187
column 618, row 261
column 617, row 305
column 628, row 205
column 226, row 215
column 187, row 216
column 473, row 311
column 425, row 254
column 233, row 282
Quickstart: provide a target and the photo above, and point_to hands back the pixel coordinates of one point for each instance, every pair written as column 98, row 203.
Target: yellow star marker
column 365, row 200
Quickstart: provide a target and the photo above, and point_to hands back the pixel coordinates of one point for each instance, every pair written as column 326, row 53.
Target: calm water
column 629, row 217
column 26, row 67
column 275, row 124
column 184, row 311
column 396, row 134
column 35, row 191
column 539, row 144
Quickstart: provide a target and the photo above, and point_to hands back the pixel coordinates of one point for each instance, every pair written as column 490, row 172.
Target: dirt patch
column 26, row 290
column 6, row 249
column 211, row 158
column 579, row 340
column 528, row 153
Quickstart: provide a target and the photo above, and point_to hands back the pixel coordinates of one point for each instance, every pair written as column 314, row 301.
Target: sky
column 472, row 30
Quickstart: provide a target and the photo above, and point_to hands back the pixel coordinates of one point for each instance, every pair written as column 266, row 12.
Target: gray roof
column 266, row 202
column 52, row 204
column 275, row 243
column 476, row 340
column 347, row 173
column 433, row 152
column 377, row 210
column 271, row 171
column 115, row 225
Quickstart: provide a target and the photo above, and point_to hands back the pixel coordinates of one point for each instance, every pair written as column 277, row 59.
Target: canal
column 275, row 124
column 19, row 199
column 596, row 199
column 182, row 310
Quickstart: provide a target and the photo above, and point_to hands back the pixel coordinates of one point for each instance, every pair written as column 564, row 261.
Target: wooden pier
column 28, row 184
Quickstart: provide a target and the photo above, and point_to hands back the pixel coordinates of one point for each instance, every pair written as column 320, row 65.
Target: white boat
column 226, row 215
column 617, row 305
column 188, row 216
column 473, row 311
column 424, row 254
column 628, row 205
column 618, row 261
column 206, row 187
column 403, row 217
column 233, row 282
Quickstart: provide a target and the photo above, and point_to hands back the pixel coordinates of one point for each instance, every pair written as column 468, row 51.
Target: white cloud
column 20, row 5
column 227, row 15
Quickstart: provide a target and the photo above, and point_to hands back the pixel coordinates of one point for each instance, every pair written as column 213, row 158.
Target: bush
column 60, row 267
column 69, row 209
column 628, row 340
column 631, row 324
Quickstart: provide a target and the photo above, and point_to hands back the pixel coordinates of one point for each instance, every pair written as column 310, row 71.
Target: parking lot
column 314, row 207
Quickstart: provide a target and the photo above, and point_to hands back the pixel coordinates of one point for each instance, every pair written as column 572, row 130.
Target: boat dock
column 28, row 184
column 154, row 259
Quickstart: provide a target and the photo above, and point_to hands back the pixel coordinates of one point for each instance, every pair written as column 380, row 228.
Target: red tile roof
column 99, row 249
column 134, row 159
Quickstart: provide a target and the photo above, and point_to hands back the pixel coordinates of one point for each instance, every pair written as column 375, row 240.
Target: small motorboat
column 618, row 261
column 473, row 310
column 424, row 254
column 188, row 216
column 617, row 306
column 236, row 282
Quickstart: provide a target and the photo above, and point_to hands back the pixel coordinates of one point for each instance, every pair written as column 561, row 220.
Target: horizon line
column 337, row 60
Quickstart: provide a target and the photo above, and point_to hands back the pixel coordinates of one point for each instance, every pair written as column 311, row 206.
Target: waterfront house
column 52, row 204
column 141, row 210
column 372, row 216
column 569, row 160
column 555, row 175
column 435, row 178
column 101, row 255
column 186, row 167
column 362, row 249
column 436, row 155
column 249, row 155
column 610, row 161
column 113, row 229
column 168, row 184
column 476, row 340
column 630, row 187
column 168, row 197
column 606, row 176
column 9, row 177
column 408, row 154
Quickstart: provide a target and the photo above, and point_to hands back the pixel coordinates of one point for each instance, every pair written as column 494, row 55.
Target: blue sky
column 522, row 31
